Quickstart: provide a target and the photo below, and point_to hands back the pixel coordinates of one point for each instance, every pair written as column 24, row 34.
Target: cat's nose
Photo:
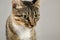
column 32, row 22
column 32, row 25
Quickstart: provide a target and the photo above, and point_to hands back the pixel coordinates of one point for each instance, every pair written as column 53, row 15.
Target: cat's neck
column 20, row 26
column 22, row 32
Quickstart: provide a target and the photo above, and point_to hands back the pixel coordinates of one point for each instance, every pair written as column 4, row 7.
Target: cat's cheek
column 17, row 20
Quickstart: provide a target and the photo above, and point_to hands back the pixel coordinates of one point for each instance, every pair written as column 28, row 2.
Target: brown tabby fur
column 25, row 14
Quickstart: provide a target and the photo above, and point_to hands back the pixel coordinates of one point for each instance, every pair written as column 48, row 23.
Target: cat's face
column 27, row 16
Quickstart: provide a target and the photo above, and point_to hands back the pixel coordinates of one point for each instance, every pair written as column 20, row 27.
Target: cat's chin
column 30, row 27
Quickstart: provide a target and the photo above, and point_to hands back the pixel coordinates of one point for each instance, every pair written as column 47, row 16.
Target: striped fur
column 25, row 14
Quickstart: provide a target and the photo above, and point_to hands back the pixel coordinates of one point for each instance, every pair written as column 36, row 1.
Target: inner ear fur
column 36, row 3
column 16, row 3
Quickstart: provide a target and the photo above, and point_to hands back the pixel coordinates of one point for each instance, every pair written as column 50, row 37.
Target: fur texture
column 21, row 23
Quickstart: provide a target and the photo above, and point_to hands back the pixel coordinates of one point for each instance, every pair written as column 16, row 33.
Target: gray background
column 48, row 28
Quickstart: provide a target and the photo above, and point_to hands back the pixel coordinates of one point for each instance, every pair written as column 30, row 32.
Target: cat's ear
column 36, row 3
column 17, row 4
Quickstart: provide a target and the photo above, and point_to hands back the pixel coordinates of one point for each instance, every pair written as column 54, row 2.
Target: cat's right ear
column 17, row 4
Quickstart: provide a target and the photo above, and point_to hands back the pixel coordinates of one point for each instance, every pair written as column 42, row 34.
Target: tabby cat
column 21, row 23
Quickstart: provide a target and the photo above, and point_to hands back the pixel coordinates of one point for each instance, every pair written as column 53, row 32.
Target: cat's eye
column 35, row 15
column 24, row 16
column 18, row 15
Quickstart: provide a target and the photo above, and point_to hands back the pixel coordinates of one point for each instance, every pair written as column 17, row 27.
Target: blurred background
column 48, row 27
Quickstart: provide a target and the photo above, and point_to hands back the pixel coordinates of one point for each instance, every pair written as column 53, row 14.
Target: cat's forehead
column 26, row 10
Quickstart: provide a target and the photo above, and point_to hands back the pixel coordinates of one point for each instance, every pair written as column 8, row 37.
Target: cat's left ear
column 17, row 4
column 36, row 3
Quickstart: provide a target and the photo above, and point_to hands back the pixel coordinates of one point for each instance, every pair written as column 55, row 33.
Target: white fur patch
column 23, row 32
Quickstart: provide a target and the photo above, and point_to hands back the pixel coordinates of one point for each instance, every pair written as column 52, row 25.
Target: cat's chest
column 23, row 33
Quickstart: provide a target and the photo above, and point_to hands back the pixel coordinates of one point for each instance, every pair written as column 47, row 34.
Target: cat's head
column 25, row 15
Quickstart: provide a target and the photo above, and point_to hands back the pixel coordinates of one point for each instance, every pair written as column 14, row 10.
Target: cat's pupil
column 24, row 16
column 35, row 15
